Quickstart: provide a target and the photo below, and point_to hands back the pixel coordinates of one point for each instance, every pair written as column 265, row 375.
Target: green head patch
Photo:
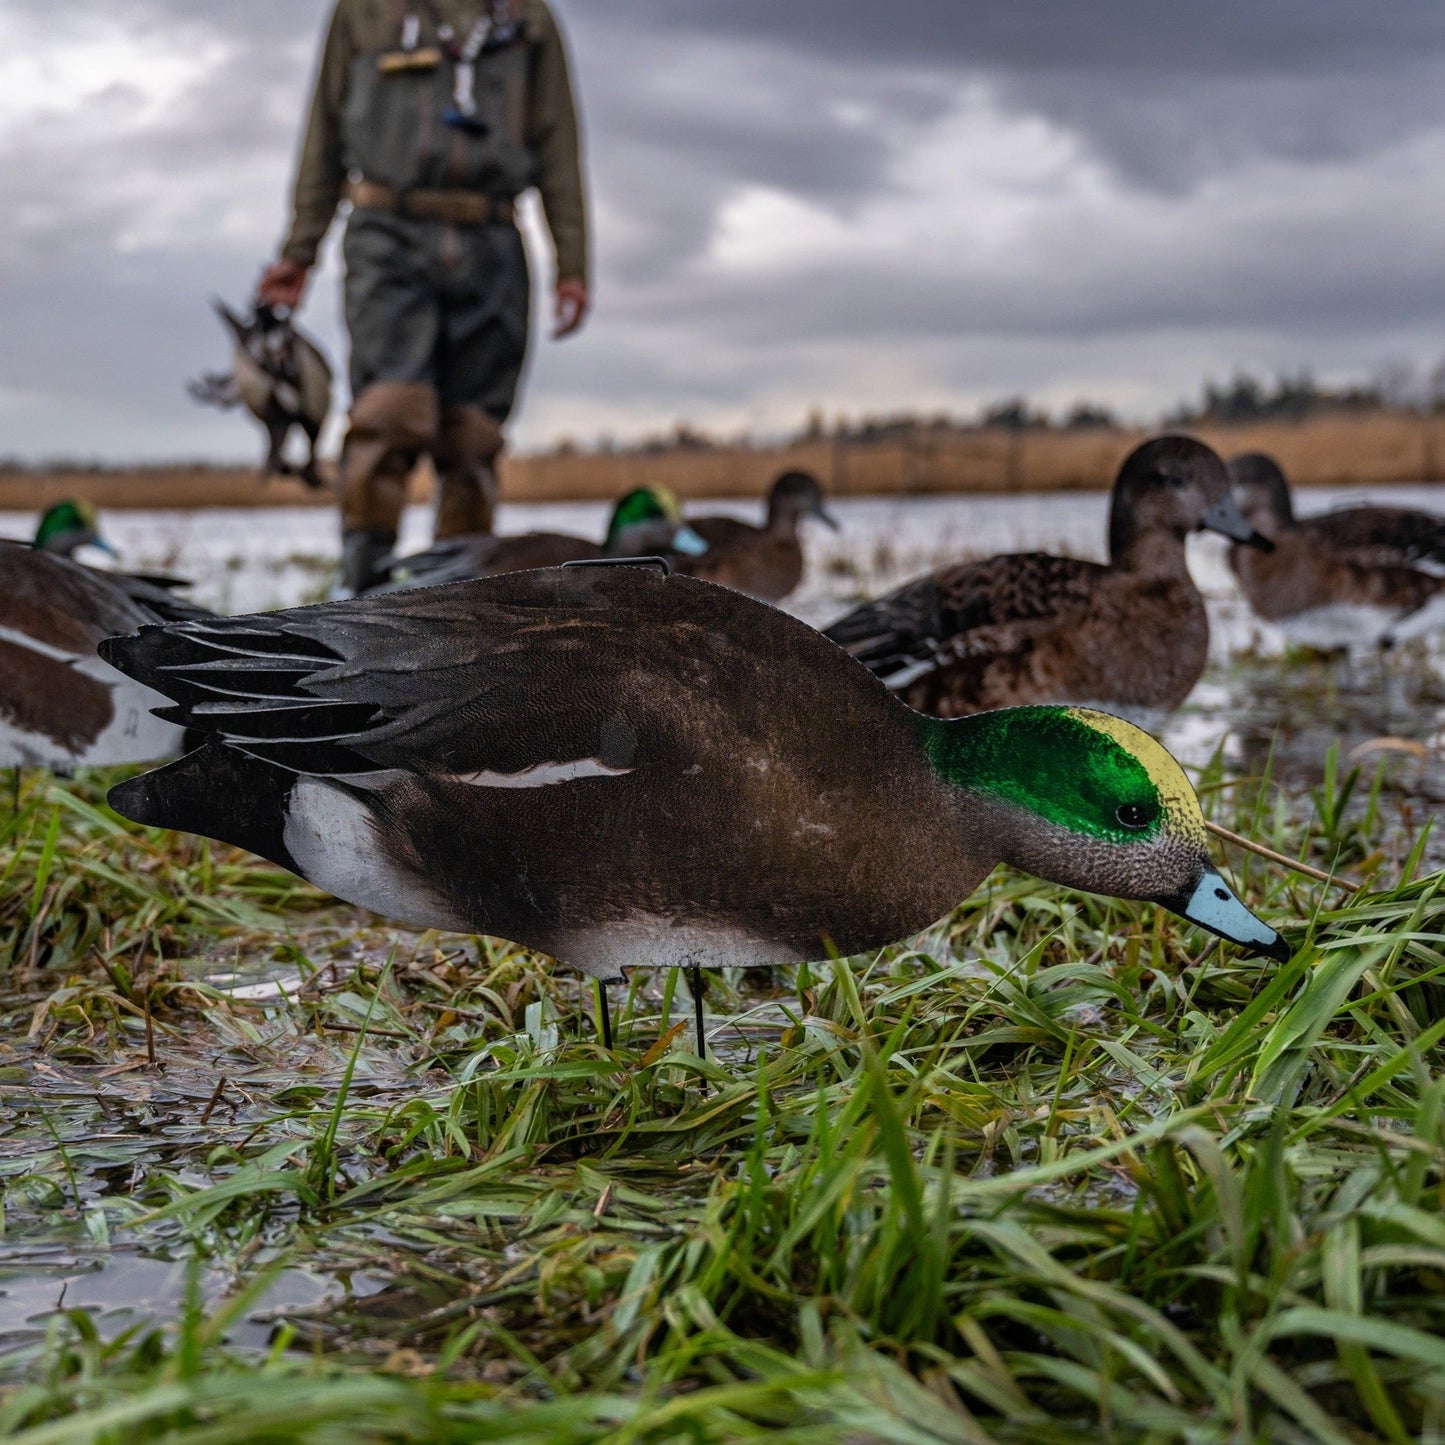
column 1085, row 771
column 65, row 519
column 643, row 504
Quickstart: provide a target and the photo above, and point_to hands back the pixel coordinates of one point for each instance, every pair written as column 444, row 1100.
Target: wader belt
column 449, row 208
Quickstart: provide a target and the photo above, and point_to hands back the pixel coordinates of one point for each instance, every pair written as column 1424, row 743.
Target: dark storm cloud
column 1189, row 118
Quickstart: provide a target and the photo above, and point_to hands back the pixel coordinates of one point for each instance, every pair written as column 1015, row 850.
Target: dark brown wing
column 461, row 559
column 721, row 532
column 1380, row 536
column 609, row 666
column 976, row 609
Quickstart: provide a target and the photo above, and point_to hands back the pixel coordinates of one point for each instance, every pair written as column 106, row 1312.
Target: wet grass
column 1063, row 1170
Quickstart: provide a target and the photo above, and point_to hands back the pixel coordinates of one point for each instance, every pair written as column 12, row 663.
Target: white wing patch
column 34, row 644
column 332, row 837
column 542, row 775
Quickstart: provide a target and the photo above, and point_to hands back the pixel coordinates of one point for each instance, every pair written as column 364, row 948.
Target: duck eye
column 1135, row 815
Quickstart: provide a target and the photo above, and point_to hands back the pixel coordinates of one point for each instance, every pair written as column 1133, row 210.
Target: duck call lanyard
column 493, row 30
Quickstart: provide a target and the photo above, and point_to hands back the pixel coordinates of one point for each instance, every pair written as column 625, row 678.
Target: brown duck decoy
column 1360, row 577
column 764, row 561
column 616, row 768
column 647, row 522
column 1130, row 636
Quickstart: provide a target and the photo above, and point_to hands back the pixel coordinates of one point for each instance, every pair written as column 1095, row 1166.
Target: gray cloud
column 1196, row 186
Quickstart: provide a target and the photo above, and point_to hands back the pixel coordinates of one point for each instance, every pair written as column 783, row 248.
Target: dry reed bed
column 1351, row 450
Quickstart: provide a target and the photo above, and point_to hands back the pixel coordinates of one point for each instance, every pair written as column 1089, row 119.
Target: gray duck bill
column 1212, row 905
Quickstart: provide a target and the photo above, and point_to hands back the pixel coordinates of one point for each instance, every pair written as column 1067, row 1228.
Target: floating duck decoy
column 61, row 707
column 1357, row 577
column 617, row 767
column 645, row 522
column 1131, row 637
column 70, row 525
column 764, row 561
column 281, row 377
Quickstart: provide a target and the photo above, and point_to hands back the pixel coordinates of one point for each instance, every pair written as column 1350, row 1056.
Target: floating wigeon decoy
column 645, row 522
column 61, row 707
column 281, row 377
column 618, row 768
column 1131, row 637
column 70, row 525
column 764, row 561
column 1357, row 577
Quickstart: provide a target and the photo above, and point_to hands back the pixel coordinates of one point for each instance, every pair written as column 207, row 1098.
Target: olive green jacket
column 361, row 26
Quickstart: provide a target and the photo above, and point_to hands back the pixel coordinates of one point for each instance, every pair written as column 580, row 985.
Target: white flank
column 332, row 837
column 34, row 644
column 647, row 940
column 542, row 775
column 133, row 735
column 1342, row 624
column 1422, row 622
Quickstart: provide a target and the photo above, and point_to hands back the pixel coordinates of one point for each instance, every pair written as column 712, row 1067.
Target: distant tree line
column 1244, row 398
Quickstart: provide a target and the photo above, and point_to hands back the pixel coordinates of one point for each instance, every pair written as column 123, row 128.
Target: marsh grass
column 1063, row 1170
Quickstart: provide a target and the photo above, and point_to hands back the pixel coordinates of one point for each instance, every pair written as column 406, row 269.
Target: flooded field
column 249, row 1129
column 247, row 560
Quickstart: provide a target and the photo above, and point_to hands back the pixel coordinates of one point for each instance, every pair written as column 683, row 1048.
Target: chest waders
column 437, row 288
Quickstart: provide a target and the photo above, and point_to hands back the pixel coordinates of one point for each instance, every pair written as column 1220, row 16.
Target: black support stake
column 604, row 1016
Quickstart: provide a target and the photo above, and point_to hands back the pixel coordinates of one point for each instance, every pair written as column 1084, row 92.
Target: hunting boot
column 392, row 423
column 466, row 462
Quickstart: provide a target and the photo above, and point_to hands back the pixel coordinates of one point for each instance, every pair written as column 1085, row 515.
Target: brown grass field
column 1338, row 450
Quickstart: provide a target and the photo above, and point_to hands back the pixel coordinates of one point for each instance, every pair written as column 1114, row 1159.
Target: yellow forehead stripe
column 666, row 498
column 1181, row 803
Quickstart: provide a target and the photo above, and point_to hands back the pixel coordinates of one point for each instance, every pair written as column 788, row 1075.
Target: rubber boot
column 468, row 445
column 362, row 552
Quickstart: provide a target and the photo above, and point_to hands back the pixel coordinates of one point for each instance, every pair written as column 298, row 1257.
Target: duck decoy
column 1357, row 577
column 617, row 767
column 61, row 707
column 71, row 524
column 1130, row 637
column 280, row 375
column 764, row 561
column 645, row 522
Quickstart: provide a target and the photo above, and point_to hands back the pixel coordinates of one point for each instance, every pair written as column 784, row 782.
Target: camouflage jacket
column 545, row 118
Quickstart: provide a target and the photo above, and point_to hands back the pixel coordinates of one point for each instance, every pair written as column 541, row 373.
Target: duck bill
column 686, row 541
column 824, row 515
column 1213, row 905
column 1226, row 519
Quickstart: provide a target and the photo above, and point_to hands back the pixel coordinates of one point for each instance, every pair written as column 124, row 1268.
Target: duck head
column 1261, row 492
column 68, row 526
column 1174, row 485
column 1088, row 800
column 643, row 507
column 796, row 495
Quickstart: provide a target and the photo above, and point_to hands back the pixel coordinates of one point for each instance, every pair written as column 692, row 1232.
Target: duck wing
column 156, row 592
column 721, row 532
column 976, row 609
column 461, row 559
column 511, row 681
column 1381, row 536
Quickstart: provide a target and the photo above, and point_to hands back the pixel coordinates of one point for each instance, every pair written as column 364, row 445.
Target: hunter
column 431, row 117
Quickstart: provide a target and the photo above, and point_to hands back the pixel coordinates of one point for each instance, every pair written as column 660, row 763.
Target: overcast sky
column 841, row 204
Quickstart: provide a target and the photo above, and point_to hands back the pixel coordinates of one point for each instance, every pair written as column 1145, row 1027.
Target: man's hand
column 572, row 304
column 283, row 283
